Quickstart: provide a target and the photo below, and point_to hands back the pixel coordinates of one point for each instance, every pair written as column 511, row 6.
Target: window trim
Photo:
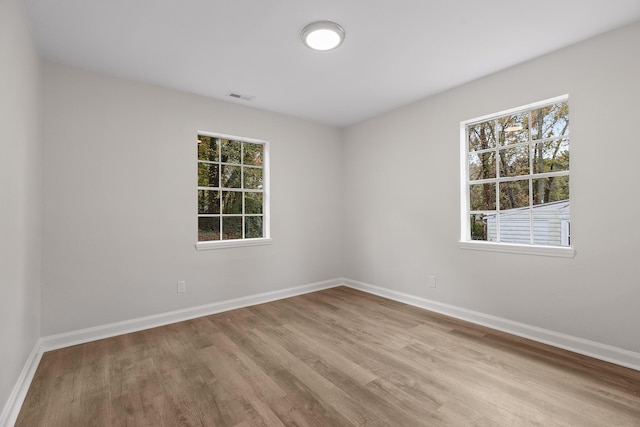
column 465, row 241
column 514, row 248
column 266, row 194
column 221, row 244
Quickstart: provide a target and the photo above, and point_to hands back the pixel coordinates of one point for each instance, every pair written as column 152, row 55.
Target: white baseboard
column 593, row 349
column 82, row 336
column 11, row 409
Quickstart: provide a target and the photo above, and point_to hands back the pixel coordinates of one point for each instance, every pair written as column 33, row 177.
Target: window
column 515, row 180
column 233, row 191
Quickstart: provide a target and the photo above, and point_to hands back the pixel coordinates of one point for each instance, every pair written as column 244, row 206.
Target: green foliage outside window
column 230, row 189
column 517, row 161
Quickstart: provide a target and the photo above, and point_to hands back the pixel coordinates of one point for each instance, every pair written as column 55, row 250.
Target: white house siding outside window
column 515, row 177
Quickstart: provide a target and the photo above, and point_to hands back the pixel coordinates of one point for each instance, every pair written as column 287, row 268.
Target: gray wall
column 402, row 198
column 119, row 205
column 20, row 194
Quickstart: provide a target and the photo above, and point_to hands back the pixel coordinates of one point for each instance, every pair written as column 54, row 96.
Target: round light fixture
column 322, row 35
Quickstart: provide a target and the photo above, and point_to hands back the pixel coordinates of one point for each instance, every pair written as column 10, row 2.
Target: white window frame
column 465, row 227
column 266, row 195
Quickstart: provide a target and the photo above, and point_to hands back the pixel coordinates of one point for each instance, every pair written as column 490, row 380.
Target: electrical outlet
column 432, row 281
column 182, row 287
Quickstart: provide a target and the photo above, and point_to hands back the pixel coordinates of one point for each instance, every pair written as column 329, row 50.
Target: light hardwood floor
column 337, row 357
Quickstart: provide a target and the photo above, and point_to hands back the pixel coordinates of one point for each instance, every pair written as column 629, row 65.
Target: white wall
column 20, row 192
column 119, row 206
column 402, row 198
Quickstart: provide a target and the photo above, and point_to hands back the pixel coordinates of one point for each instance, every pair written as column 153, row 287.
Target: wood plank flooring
column 337, row 357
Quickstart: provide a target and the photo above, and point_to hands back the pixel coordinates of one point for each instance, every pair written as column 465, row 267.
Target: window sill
column 552, row 251
column 222, row 244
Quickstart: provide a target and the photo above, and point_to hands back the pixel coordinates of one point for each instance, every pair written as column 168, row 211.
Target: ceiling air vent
column 237, row 95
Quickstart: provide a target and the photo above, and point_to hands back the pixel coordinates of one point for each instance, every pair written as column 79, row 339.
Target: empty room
column 319, row 213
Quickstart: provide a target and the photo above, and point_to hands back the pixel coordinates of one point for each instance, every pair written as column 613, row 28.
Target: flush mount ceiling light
column 322, row 35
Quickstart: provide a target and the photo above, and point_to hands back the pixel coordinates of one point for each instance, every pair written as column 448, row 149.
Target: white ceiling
column 395, row 51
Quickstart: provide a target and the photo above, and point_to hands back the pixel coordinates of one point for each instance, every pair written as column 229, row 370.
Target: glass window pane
column 551, row 156
column 252, row 154
column 231, row 202
column 230, row 151
column 253, row 178
column 253, row 227
column 252, row 203
column 478, row 223
column 208, row 229
column 520, row 147
column 514, row 194
column 552, row 189
column 208, row 175
column 231, row 227
column 551, row 121
column 208, row 202
column 231, row 176
column 514, row 129
column 482, row 197
column 514, row 161
column 515, row 226
column 482, row 165
column 208, row 148
column 482, row 136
